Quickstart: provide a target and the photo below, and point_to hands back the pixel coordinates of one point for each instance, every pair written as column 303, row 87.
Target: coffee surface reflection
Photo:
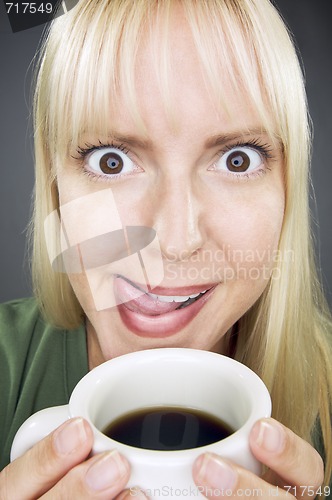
column 167, row 428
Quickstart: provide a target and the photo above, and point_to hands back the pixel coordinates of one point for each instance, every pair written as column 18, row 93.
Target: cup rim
column 79, row 400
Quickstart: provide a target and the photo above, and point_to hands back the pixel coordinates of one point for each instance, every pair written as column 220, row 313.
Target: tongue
column 140, row 302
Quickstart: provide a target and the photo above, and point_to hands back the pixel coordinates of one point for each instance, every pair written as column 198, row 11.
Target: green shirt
column 39, row 366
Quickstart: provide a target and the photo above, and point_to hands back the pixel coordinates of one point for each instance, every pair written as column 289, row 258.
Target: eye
column 110, row 161
column 239, row 159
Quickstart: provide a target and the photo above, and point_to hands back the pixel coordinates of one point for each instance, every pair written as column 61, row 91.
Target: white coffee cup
column 186, row 378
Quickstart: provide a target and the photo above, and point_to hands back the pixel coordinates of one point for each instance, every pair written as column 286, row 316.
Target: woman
column 186, row 119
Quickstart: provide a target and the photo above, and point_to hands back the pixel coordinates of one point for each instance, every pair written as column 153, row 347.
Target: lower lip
column 163, row 325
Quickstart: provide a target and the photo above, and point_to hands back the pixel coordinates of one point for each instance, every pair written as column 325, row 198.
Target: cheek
column 249, row 231
column 255, row 226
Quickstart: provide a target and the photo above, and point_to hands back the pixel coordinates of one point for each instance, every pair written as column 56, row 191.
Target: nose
column 178, row 218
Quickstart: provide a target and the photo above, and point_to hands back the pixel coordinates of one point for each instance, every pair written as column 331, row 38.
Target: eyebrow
column 222, row 139
column 211, row 142
column 215, row 140
column 131, row 141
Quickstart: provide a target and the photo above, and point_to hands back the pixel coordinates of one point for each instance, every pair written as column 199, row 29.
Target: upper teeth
column 174, row 298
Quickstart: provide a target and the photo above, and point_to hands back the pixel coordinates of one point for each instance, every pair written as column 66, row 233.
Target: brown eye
column 111, row 163
column 238, row 161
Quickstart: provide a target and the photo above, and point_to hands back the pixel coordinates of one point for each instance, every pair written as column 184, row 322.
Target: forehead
column 169, row 67
column 176, row 89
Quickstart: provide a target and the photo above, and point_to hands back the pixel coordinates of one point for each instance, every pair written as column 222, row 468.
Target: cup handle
column 36, row 427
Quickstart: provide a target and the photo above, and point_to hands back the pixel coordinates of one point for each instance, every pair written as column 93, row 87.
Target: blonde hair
column 284, row 336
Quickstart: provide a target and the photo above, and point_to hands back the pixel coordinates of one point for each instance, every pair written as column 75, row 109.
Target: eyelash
column 263, row 149
column 90, row 148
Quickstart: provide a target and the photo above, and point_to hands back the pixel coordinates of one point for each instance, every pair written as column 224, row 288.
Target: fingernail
column 269, row 436
column 70, row 436
column 106, row 471
column 213, row 472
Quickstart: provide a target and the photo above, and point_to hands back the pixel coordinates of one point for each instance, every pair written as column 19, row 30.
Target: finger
column 102, row 476
column 48, row 461
column 288, row 456
column 217, row 478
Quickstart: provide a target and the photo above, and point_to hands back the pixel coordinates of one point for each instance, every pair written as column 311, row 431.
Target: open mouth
column 159, row 314
column 156, row 304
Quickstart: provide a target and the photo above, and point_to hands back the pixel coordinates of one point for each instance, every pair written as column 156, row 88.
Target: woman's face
column 210, row 185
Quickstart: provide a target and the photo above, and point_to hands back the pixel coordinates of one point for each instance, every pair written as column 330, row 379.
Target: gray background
column 310, row 22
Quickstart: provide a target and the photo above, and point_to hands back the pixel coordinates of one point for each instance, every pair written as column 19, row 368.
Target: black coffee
column 167, row 428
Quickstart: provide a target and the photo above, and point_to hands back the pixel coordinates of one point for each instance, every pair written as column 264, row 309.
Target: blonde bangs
column 92, row 56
